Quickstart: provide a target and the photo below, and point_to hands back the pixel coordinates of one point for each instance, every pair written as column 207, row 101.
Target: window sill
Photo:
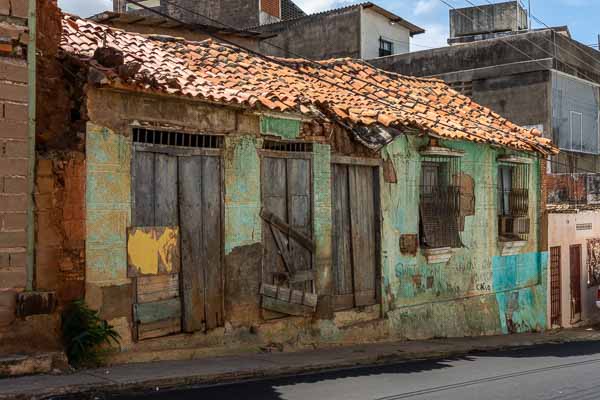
column 438, row 256
column 512, row 248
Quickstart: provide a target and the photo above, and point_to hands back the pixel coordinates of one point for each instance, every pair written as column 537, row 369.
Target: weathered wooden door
column 555, row 287
column 182, row 188
column 286, row 193
column 575, row 261
column 200, row 206
column 355, row 208
column 157, row 302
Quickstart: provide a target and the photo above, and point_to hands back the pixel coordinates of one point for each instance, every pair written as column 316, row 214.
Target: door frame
column 556, row 257
column 300, row 155
column 575, row 317
column 376, row 163
column 180, row 151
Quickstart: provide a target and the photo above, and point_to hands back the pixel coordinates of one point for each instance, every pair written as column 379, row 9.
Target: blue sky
column 580, row 15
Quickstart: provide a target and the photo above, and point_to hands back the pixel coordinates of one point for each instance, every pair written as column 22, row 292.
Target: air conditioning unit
column 514, row 226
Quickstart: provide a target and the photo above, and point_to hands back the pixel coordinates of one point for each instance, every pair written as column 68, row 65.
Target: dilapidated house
column 234, row 200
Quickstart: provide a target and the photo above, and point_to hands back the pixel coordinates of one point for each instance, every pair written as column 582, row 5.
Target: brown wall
column 13, row 156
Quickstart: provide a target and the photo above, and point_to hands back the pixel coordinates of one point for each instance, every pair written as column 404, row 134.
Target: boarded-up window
column 439, row 204
column 180, row 187
column 355, row 209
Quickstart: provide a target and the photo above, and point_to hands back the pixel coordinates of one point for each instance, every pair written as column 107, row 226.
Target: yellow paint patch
column 153, row 250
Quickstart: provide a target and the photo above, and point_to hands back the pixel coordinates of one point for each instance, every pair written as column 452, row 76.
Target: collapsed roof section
column 376, row 105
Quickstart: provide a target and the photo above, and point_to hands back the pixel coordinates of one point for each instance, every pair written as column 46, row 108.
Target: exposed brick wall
column 14, row 199
column 60, row 228
column 271, row 7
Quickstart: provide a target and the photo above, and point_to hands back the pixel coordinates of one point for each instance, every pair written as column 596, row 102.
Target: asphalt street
column 549, row 372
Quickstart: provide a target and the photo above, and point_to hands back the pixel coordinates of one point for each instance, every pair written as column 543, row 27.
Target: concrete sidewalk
column 169, row 374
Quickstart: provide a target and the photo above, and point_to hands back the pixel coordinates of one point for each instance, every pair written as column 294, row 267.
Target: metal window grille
column 440, row 202
column 386, row 48
column 179, row 139
column 513, row 201
column 289, row 147
column 583, row 227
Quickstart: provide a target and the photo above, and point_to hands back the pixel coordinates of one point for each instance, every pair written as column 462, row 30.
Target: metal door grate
column 179, row 139
column 555, row 286
column 289, row 147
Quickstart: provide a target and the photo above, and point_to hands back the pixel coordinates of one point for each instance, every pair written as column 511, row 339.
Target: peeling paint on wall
column 283, row 127
column 108, row 205
column 242, row 192
column 153, row 250
column 470, row 294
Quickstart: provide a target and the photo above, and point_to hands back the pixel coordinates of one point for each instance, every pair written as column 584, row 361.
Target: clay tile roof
column 350, row 91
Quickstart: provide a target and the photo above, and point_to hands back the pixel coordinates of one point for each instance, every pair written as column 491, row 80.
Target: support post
column 31, row 65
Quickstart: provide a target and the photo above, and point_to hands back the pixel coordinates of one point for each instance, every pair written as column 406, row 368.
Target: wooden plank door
column 157, row 303
column 286, row 193
column 200, row 219
column 575, row 261
column 355, row 235
column 555, row 287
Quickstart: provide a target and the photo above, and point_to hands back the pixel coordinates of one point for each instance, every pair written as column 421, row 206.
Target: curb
column 166, row 384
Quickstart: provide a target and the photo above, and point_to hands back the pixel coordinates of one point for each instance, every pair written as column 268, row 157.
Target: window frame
column 513, row 205
column 383, row 47
column 439, row 199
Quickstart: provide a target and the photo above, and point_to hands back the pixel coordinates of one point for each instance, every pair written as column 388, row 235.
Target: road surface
column 548, row 372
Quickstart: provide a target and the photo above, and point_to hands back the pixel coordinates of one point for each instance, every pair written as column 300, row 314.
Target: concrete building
column 545, row 79
column 222, row 195
column 279, row 27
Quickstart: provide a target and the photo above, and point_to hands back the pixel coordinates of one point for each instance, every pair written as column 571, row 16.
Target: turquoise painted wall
column 243, row 225
column 477, row 291
column 108, row 205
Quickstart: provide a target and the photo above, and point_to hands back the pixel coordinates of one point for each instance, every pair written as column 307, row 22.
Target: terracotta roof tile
column 350, row 90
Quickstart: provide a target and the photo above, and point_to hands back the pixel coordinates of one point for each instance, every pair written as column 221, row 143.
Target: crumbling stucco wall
column 478, row 292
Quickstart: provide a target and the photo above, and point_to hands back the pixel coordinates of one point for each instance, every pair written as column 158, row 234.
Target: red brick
column 44, row 201
column 44, row 167
column 11, row 70
column 13, row 279
column 13, row 92
column 19, row 8
column 45, row 184
column 16, row 112
column 13, row 129
column 13, row 239
column 4, row 7
column 74, row 230
column 47, row 233
column 14, row 221
column 13, row 166
column 15, row 185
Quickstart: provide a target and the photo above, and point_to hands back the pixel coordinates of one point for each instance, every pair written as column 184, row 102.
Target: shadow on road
column 268, row 389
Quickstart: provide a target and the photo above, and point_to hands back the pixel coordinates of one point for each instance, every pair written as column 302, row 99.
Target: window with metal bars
column 439, row 203
column 513, row 201
column 180, row 139
column 289, row 147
